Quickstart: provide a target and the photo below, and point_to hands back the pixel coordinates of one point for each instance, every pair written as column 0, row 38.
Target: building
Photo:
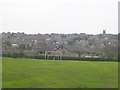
column 73, row 51
column 104, row 32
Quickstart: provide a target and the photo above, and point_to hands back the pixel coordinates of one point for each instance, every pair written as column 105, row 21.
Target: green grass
column 31, row 73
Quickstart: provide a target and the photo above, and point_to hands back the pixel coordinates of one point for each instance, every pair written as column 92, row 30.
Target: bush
column 18, row 55
column 89, row 59
column 6, row 54
column 14, row 54
column 21, row 54
column 39, row 56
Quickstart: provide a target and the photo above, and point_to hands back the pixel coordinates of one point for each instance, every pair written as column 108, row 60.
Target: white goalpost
column 57, row 55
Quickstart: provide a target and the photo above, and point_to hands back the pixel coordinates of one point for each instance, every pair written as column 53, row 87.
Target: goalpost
column 55, row 54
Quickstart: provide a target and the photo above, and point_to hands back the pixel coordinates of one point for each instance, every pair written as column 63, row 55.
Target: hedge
column 77, row 58
column 14, row 54
column 19, row 55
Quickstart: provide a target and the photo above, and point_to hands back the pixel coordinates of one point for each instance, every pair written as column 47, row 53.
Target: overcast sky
column 60, row 16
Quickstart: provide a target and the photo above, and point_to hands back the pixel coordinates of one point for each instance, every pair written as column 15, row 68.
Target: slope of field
column 31, row 73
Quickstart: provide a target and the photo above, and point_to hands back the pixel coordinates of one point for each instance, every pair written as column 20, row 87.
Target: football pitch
column 35, row 73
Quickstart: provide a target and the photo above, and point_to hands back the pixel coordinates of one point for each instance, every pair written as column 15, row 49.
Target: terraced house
column 67, row 51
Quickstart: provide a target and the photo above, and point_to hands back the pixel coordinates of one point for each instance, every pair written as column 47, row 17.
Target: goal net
column 53, row 55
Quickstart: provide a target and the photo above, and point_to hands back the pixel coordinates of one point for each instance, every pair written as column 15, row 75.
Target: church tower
column 104, row 31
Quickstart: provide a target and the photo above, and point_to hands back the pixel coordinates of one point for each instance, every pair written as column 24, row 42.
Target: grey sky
column 60, row 16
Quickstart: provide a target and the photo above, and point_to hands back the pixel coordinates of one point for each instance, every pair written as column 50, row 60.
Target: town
column 77, row 45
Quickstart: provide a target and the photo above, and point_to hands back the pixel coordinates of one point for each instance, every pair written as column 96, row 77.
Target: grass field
column 31, row 73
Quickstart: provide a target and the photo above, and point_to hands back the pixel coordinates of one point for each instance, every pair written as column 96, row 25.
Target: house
column 64, row 51
column 14, row 45
column 41, row 49
column 74, row 51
